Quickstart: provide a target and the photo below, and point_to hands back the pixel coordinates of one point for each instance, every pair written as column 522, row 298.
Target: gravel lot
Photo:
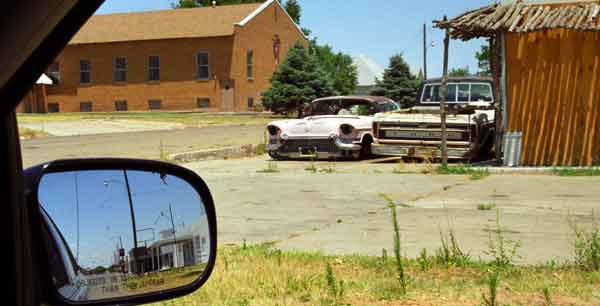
column 342, row 213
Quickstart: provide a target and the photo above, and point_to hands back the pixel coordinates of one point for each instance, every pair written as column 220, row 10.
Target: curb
column 221, row 153
column 526, row 170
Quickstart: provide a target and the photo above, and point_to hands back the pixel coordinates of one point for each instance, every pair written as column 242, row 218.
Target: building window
column 203, row 102
column 85, row 72
column 120, row 69
column 154, row 104
column 85, row 107
column 54, row 71
column 121, row 105
column 250, row 64
column 153, row 68
column 203, row 66
column 53, row 107
column 250, row 103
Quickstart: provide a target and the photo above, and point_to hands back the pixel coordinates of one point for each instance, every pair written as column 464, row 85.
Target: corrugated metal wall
column 553, row 82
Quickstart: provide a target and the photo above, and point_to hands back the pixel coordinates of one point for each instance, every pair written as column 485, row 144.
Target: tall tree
column 398, row 82
column 338, row 67
column 459, row 72
column 202, row 3
column 292, row 7
column 296, row 82
column 483, row 61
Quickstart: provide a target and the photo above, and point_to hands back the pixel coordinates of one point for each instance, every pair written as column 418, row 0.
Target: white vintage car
column 336, row 128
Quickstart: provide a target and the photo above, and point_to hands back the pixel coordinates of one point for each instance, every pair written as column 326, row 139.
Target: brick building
column 212, row 59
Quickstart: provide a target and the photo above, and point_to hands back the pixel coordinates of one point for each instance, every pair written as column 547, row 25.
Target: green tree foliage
column 292, row 7
column 296, row 82
column 338, row 67
column 483, row 61
column 459, row 72
column 398, row 82
column 194, row 3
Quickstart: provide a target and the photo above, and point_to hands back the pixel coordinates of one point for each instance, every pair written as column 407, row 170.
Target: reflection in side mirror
column 121, row 233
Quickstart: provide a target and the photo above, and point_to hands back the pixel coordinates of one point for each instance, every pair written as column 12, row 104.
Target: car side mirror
column 121, row 231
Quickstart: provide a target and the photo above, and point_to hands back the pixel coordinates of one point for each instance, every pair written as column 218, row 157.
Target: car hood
column 485, row 115
column 321, row 125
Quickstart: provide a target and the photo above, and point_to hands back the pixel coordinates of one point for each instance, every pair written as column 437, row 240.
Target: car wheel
column 365, row 150
column 275, row 155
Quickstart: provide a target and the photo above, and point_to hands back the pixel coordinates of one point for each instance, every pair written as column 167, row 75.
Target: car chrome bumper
column 419, row 151
column 328, row 148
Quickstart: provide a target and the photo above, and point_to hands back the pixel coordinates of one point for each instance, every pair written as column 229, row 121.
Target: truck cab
column 416, row 132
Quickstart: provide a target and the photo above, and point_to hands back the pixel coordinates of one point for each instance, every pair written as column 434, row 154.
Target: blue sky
column 104, row 213
column 375, row 28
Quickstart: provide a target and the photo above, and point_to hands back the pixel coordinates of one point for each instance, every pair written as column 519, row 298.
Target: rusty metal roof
column 521, row 17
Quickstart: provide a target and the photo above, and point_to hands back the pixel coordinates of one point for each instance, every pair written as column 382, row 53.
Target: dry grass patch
column 26, row 133
column 261, row 275
column 185, row 118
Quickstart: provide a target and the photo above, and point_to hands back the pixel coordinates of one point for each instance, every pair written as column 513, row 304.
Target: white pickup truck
column 416, row 131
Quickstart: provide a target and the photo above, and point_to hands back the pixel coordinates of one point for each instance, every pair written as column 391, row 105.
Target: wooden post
column 443, row 91
column 424, row 51
column 495, row 60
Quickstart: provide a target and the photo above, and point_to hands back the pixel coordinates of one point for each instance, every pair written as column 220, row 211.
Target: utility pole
column 174, row 237
column 443, row 91
column 77, row 212
column 425, row 51
column 172, row 224
column 135, row 241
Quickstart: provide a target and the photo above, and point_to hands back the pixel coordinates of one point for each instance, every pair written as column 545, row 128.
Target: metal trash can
column 512, row 149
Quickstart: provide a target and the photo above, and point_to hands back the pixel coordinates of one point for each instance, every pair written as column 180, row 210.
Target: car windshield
column 342, row 107
column 491, row 200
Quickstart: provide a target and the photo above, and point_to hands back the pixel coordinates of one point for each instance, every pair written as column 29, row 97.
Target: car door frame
column 23, row 286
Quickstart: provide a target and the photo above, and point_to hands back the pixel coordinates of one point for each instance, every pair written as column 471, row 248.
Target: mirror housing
column 51, row 295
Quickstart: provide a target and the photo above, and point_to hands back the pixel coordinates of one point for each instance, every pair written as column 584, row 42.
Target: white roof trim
column 44, row 79
column 261, row 8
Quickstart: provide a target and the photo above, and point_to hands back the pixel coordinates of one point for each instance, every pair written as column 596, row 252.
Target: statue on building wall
column 276, row 48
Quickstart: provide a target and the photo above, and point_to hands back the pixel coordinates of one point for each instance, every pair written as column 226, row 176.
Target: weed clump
column 450, row 253
column 400, row 270
column 504, row 251
column 270, row 168
column 587, row 245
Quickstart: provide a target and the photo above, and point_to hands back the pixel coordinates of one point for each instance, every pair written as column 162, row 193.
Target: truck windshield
column 458, row 93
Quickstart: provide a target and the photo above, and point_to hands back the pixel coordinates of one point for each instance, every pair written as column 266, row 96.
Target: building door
column 227, row 100
column 227, row 96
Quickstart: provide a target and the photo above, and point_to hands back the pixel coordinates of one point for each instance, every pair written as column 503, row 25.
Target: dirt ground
column 147, row 144
column 99, row 126
column 342, row 212
column 338, row 209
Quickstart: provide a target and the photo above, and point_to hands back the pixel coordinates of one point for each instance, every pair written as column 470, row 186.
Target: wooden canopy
column 520, row 17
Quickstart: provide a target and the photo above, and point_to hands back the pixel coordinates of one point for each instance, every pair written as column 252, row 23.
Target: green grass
column 590, row 171
column 474, row 174
column 265, row 276
column 185, row 118
column 270, row 168
column 486, row 206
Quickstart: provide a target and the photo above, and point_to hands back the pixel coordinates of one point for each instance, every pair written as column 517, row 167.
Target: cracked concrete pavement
column 342, row 212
